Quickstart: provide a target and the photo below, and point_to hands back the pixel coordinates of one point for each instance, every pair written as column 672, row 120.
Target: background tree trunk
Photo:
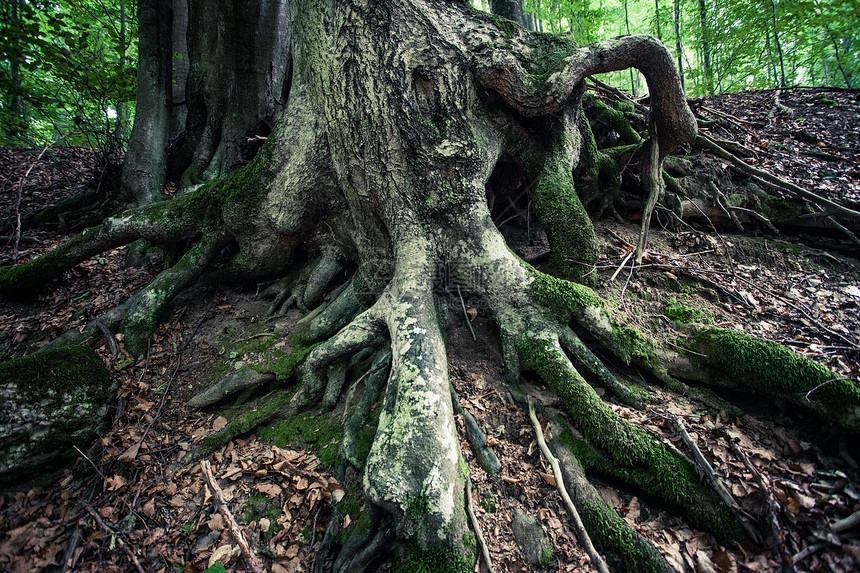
column 145, row 166
column 239, row 65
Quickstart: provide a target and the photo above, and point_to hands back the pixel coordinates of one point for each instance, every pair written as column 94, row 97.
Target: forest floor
column 801, row 289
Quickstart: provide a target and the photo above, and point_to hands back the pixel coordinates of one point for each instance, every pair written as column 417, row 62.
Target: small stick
column 846, row 523
column 112, row 533
column 621, row 266
column 256, row 567
column 466, row 315
column 773, row 507
column 485, row 552
column 655, row 184
column 578, row 527
column 708, row 471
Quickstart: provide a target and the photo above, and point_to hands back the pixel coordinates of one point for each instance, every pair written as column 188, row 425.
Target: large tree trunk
column 399, row 113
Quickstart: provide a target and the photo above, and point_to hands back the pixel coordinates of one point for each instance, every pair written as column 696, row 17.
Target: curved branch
column 675, row 122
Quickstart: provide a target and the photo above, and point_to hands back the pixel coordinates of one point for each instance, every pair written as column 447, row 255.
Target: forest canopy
column 68, row 67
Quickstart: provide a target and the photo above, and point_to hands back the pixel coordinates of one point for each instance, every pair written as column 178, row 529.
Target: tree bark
column 239, row 64
column 145, row 166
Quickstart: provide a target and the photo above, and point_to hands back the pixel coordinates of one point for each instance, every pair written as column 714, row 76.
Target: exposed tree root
column 413, row 201
column 578, row 528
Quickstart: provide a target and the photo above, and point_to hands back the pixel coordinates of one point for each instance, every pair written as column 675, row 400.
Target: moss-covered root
column 158, row 223
column 608, row 530
column 583, row 355
column 633, row 454
column 374, row 383
column 421, row 486
column 485, row 455
column 367, row 330
column 148, row 304
column 328, row 267
column 742, row 361
column 34, row 274
column 258, row 413
column 567, row 224
column 324, row 322
column 372, row 539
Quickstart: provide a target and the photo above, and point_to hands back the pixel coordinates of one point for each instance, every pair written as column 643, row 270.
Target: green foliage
column 67, row 67
column 820, row 39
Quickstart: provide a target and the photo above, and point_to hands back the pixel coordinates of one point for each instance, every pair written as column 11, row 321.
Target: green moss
column 613, row 118
column 505, row 26
column 252, row 417
column 285, row 366
column 775, row 369
column 568, row 226
column 562, row 298
column 680, row 312
column 623, row 449
column 321, row 432
column 65, row 370
column 365, row 436
column 434, row 560
column 545, row 556
column 416, row 506
column 631, row 344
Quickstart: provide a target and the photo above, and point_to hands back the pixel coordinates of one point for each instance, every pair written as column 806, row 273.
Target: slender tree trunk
column 771, row 60
column 145, row 166
column 778, row 45
column 678, row 49
column 632, row 72
column 179, row 109
column 657, row 19
column 120, row 106
column 838, row 58
column 706, row 48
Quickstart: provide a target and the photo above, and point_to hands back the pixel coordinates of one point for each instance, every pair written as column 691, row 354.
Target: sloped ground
column 153, row 506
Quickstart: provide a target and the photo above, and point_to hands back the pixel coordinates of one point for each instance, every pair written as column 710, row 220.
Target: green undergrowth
column 625, row 450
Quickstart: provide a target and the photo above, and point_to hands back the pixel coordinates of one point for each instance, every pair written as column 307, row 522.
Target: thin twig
column 256, row 567
column 466, row 315
column 115, row 535
column 20, row 193
column 98, row 471
column 773, row 509
column 577, row 525
column 485, row 552
column 707, row 470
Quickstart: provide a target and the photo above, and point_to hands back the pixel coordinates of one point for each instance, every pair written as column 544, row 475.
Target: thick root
column 633, row 454
column 608, row 530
